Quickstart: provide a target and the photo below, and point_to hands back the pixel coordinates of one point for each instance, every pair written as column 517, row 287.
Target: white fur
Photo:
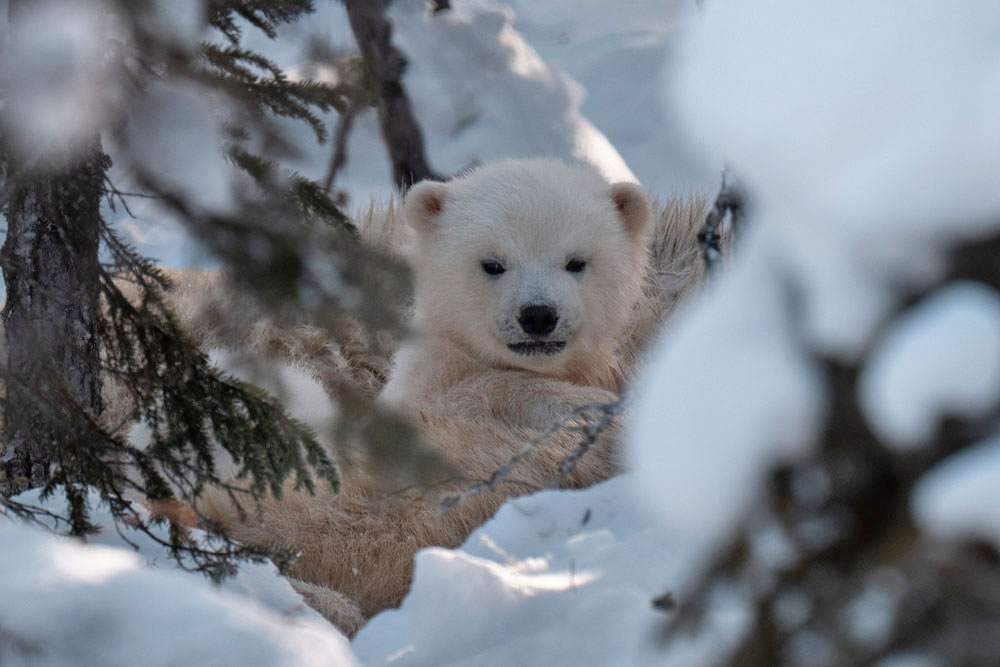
column 531, row 217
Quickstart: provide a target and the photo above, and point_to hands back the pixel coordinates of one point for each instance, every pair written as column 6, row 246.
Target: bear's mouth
column 537, row 347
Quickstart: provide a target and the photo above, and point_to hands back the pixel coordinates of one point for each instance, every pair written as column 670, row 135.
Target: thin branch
column 607, row 411
column 729, row 201
column 339, row 157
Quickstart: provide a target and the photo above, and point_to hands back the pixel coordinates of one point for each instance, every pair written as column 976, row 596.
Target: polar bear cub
column 527, row 273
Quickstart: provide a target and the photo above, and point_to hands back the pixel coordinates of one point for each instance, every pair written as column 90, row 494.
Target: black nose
column 538, row 320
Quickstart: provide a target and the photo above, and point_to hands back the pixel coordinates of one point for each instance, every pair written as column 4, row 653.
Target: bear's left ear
column 423, row 205
column 633, row 207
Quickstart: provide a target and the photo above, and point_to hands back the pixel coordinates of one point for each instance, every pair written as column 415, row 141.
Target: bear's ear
column 633, row 207
column 423, row 205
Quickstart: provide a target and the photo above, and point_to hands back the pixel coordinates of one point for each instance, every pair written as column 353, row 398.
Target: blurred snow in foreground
column 866, row 133
column 260, row 581
column 941, row 359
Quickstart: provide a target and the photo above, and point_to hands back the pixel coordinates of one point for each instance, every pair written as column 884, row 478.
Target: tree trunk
column 385, row 65
column 50, row 266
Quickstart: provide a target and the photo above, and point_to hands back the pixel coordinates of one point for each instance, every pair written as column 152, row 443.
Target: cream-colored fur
column 473, row 404
column 474, row 401
column 531, row 219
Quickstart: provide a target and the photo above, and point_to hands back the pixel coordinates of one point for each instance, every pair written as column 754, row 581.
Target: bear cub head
column 530, row 264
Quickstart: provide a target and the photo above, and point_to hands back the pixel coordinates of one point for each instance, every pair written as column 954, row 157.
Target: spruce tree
column 69, row 324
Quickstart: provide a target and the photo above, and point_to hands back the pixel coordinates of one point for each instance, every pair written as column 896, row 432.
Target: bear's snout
column 538, row 319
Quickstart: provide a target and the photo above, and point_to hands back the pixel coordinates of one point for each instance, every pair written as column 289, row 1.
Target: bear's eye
column 575, row 265
column 493, row 267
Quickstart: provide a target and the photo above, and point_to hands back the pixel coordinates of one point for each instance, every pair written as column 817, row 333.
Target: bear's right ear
column 423, row 205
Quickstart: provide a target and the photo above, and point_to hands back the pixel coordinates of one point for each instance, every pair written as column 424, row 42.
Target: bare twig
column 344, row 124
column 729, row 201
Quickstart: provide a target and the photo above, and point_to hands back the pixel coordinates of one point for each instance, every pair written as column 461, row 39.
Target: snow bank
column 64, row 603
column 559, row 577
column 727, row 393
column 942, row 358
column 482, row 92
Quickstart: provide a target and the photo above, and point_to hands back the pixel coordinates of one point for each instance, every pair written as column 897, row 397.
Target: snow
column 867, row 134
column 727, row 394
column 941, row 358
column 872, row 156
column 297, row 390
column 558, row 577
column 259, row 581
column 65, row 603
column 175, row 126
column 475, row 81
column 908, row 659
column 54, row 64
column 959, row 497
column 482, row 91
column 614, row 51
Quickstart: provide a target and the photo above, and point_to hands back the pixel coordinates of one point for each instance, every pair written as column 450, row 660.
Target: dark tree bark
column 50, row 266
column 385, row 65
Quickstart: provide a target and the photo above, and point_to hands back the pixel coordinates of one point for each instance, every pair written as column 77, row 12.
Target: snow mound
column 558, row 577
column 54, row 62
column 481, row 92
column 614, row 50
column 942, row 358
column 64, row 603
